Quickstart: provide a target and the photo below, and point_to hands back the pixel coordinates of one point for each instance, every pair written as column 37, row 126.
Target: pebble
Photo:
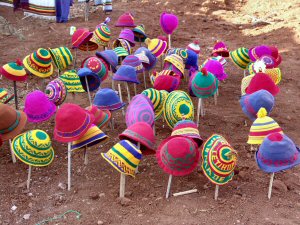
column 13, row 208
column 26, row 216
column 123, row 201
column 62, row 186
column 101, row 195
column 280, row 186
column 100, row 222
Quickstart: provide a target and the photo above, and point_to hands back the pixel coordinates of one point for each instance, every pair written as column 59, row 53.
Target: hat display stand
column 16, row 95
column 28, row 178
column 169, row 40
column 69, row 165
column 216, row 192
column 85, row 155
column 122, row 185
column 87, row 9
column 88, row 90
column 121, row 98
column 200, row 110
column 271, row 185
column 13, row 157
column 169, row 186
column 128, row 91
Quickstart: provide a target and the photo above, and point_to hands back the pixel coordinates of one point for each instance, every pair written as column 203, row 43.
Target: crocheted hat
column 192, row 74
column 110, row 57
column 128, row 35
column 5, row 97
column 252, row 103
column 101, row 35
column 101, row 116
column 150, row 56
column 220, row 49
column 97, row 66
column 38, row 107
column 62, row 57
column 143, row 133
column 127, row 74
column 178, row 106
column 107, row 99
column 39, row 63
column 140, row 109
column 124, row 157
column 71, row 122
column 155, row 97
column 125, row 20
column 156, row 46
column 12, row 122
column 177, row 61
column 194, row 46
column 219, row 160
column 139, row 33
column 240, row 57
column 168, row 22
column 220, row 59
column 178, row 156
column 275, row 55
column 204, row 84
column 256, row 52
column 121, row 52
column 93, row 81
column 261, row 127
column 56, row 91
column 135, row 62
column 164, row 95
column 187, row 128
column 14, row 71
column 216, row 68
column 71, row 81
column 245, row 83
column 262, row 81
column 276, row 153
column 192, row 60
column 143, row 58
column 122, row 43
column 178, row 51
column 33, row 148
column 81, row 39
column 166, row 80
column 274, row 73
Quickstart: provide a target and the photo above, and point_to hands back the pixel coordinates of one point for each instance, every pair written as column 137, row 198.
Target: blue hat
column 192, row 60
column 110, row 57
column 253, row 102
column 151, row 57
column 107, row 99
column 92, row 79
column 276, row 153
column 127, row 74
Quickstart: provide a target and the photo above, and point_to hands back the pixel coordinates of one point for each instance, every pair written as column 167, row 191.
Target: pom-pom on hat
column 216, row 68
column 127, row 74
column 97, row 66
column 262, row 81
column 71, row 81
column 62, row 57
column 110, row 57
column 56, row 91
column 128, row 35
column 107, row 99
column 101, row 116
column 139, row 33
column 93, row 80
column 240, row 57
column 194, row 46
column 220, row 49
column 125, row 20
column 156, row 46
column 14, row 71
column 168, row 22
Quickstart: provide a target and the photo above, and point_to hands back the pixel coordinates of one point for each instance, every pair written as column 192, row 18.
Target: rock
column 100, row 222
column 101, row 195
column 128, row 193
column 279, row 186
column 26, row 216
column 123, row 201
column 13, row 208
column 205, row 187
column 62, row 186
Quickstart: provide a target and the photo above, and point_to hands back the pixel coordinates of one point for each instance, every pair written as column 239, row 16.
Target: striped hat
column 152, row 59
column 71, row 81
column 120, row 51
column 275, row 73
column 143, row 57
column 177, row 61
column 33, row 148
column 245, row 83
column 81, row 39
column 97, row 66
column 124, row 157
column 240, row 57
column 164, row 95
column 122, row 43
column 156, row 46
column 261, row 127
column 62, row 57
column 178, row 51
column 166, row 80
column 135, row 62
column 155, row 97
column 56, row 91
column 128, row 35
column 5, row 97
column 39, row 63
column 101, row 35
column 110, row 57
column 194, row 46
column 14, row 71
column 101, row 116
column 139, row 33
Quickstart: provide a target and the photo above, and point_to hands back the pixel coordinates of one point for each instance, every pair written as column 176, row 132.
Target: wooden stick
column 88, row 90
column 198, row 111
column 185, row 192
column 215, row 98
column 121, row 98
column 144, row 74
column 134, row 88
column 29, row 177
column 169, row 186
column 244, row 73
column 87, row 11
column 169, row 37
column 128, row 92
column 13, row 157
column 271, row 185
column 216, row 192
column 16, row 95
column 69, row 166
column 86, row 160
column 122, row 185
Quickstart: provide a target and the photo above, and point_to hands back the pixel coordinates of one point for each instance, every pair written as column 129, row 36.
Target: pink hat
column 220, row 49
column 216, row 68
column 262, row 81
column 194, row 46
column 257, row 52
column 128, row 35
column 166, row 80
column 125, row 20
column 168, row 22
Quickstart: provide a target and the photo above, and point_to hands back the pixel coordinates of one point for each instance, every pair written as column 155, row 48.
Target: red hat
column 262, row 81
column 102, row 117
column 143, row 133
column 166, row 80
column 81, row 39
column 71, row 123
column 125, row 20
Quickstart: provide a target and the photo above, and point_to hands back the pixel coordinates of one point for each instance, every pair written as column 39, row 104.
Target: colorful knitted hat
column 38, row 107
column 262, row 81
column 187, row 128
column 135, row 62
column 178, row 156
column 261, row 127
column 139, row 33
column 81, row 39
column 62, row 57
column 127, row 74
column 92, row 137
column 178, row 106
column 71, row 122
column 219, row 160
column 204, row 84
column 101, row 116
column 97, row 66
column 155, row 97
column 216, row 68
column 101, row 35
column 220, row 49
column 166, row 80
column 33, row 148
column 110, row 57
column 107, row 99
column 150, row 56
column 156, row 46
column 177, row 61
column 71, row 81
column 164, row 96
column 122, row 43
column 220, row 59
column 252, row 103
column 192, row 60
column 39, row 63
column 256, row 52
column 121, row 52
column 14, row 71
column 192, row 74
column 143, row 58
column 168, row 22
column 127, row 35
column 240, row 57
column 274, row 74
column 245, row 83
column 12, row 122
column 275, row 55
column 125, row 20
column 276, row 153
column 140, row 109
column 5, row 97
column 143, row 133
column 124, row 157
column 93, row 80
column 178, row 51
column 194, row 46
column 56, row 91
column 107, row 6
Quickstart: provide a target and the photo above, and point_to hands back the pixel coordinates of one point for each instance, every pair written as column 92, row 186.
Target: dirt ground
column 95, row 186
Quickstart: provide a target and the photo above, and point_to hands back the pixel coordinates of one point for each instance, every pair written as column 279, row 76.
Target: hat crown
column 8, row 116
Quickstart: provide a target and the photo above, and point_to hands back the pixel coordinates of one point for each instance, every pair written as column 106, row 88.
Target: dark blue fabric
column 62, row 10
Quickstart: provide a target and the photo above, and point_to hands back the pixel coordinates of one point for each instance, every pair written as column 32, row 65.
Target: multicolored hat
column 139, row 33
column 220, row 49
column 97, row 66
column 156, row 46
column 101, row 116
column 14, row 71
column 127, row 74
column 81, row 39
column 101, row 35
column 168, row 22
column 245, row 83
column 276, row 153
column 261, row 127
column 275, row 55
column 192, row 60
column 204, row 84
column 216, row 68
column 122, row 43
column 124, row 157
column 107, row 99
column 252, row 103
column 140, row 109
column 150, row 56
column 39, row 63
column 110, row 57
column 33, row 148
column 178, row 156
column 262, row 81
column 5, row 97
column 135, row 62
column 125, row 20
column 62, row 57
column 121, row 52
column 187, row 128
column 71, row 81
column 38, row 107
column 155, row 97
column 177, row 61
column 275, row 73
column 166, row 80
column 194, row 46
column 12, row 122
column 256, row 52
column 56, row 91
column 220, row 59
column 192, row 74
column 127, row 35
column 178, row 106
column 164, row 96
column 93, row 80
column 71, row 122
column 240, row 57
column 142, row 133
column 143, row 58
column 178, row 51
column 219, row 160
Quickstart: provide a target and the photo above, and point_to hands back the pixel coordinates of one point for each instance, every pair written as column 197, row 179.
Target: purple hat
column 220, row 49
column 128, row 35
column 253, row 102
column 168, row 22
column 110, row 57
column 257, row 52
column 216, row 68
column 135, row 62
column 93, row 80
column 38, row 107
column 276, row 153
column 127, row 74
column 151, row 57
column 107, row 99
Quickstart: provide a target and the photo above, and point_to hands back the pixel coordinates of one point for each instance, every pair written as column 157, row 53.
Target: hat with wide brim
column 101, row 116
column 14, row 71
column 107, row 99
column 139, row 33
column 72, row 81
column 126, row 73
column 62, row 57
column 110, row 57
column 125, row 20
column 89, row 79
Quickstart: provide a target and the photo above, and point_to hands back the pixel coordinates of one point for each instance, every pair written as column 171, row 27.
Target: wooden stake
column 185, row 192
column 198, row 111
column 169, row 186
column 88, row 90
column 13, row 157
column 169, row 37
column 244, row 73
column 121, row 98
column 86, row 160
column 216, row 192
column 69, row 166
column 215, row 98
column 29, row 177
column 122, row 185
column 271, row 185
column 16, row 95
column 128, row 92
column 87, row 8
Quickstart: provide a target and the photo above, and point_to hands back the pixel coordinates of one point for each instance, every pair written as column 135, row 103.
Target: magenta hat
column 38, row 107
column 256, row 52
column 220, row 49
column 168, row 22
column 125, row 20
column 128, row 35
column 216, row 68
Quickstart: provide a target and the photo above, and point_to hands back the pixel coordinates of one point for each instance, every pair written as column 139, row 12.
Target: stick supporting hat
column 271, row 185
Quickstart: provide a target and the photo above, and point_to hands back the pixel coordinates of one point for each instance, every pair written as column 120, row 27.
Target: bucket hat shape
column 240, row 57
column 143, row 133
column 178, row 156
column 5, row 96
column 39, row 63
column 71, row 123
column 38, row 107
column 182, row 52
column 262, row 127
column 262, row 81
column 192, row 60
column 124, row 157
column 62, row 57
column 258, row 51
column 135, row 62
column 107, row 99
column 252, row 103
column 92, row 79
column 110, row 57
column 220, row 49
column 125, row 20
column 127, row 74
column 155, row 97
column 143, row 58
column 81, row 39
column 101, row 35
column 166, row 80
column 101, row 116
column 168, row 22
column 194, row 46
column 128, row 35
column 245, row 83
column 14, row 71
column 12, row 122
column 122, row 43
column 177, row 61
column 150, row 56
column 156, row 46
column 139, row 33
column 140, row 109
column 33, row 148
column 276, row 153
column 216, row 68
column 121, row 53
column 56, row 91
column 218, row 160
column 72, row 81
column 97, row 66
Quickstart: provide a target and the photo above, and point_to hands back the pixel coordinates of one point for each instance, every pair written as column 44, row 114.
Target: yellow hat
column 177, row 61
column 245, row 83
column 156, row 46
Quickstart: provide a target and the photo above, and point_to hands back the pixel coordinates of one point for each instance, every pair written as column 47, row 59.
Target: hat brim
column 119, row 106
column 36, row 73
column 53, row 110
column 12, row 77
column 18, row 129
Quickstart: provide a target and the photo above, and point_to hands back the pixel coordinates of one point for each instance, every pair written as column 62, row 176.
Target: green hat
column 240, row 57
column 72, row 81
column 62, row 57
column 120, row 51
column 155, row 97
column 204, row 84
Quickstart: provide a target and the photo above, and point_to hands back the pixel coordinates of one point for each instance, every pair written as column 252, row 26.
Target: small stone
column 13, row 208
column 124, row 201
column 100, row 222
column 205, row 186
column 279, row 186
column 26, row 216
column 128, row 193
column 101, row 195
column 30, row 205
column 288, row 118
